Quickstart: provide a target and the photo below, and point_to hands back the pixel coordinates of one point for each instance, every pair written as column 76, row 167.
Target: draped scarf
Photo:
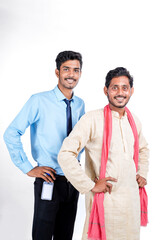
column 96, row 229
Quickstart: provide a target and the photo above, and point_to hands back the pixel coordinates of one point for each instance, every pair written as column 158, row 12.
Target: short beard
column 116, row 105
column 68, row 87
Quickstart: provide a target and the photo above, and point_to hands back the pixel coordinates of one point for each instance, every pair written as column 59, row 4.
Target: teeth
column 70, row 80
column 120, row 99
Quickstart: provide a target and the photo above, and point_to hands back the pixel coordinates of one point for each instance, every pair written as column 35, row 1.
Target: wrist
column 93, row 189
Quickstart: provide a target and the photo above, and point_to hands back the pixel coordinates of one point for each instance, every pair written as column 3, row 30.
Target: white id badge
column 47, row 191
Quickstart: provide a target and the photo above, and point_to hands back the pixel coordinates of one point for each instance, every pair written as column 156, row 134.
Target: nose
column 120, row 91
column 71, row 73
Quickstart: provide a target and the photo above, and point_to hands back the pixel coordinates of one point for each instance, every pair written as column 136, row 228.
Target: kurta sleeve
column 67, row 157
column 143, row 162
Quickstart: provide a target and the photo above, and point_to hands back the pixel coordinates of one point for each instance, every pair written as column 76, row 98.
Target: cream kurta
column 122, row 206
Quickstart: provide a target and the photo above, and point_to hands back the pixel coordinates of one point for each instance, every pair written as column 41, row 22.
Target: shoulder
column 94, row 114
column 90, row 120
column 38, row 99
column 137, row 122
column 42, row 95
column 78, row 100
column 136, row 119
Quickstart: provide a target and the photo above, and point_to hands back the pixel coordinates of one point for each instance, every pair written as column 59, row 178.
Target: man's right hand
column 103, row 186
column 41, row 172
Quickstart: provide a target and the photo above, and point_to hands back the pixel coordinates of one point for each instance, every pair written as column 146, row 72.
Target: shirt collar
column 59, row 94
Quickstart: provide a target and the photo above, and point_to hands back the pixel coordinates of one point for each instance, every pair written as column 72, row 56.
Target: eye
column 65, row 69
column 77, row 70
column 125, row 88
column 114, row 88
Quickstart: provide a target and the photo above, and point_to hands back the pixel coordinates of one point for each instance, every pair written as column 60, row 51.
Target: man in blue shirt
column 47, row 115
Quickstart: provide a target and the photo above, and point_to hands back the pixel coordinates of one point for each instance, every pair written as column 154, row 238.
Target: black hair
column 68, row 55
column 118, row 72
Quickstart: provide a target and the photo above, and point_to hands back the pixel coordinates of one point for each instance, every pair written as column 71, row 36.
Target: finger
column 140, row 184
column 48, row 177
column 51, row 169
column 140, row 181
column 43, row 176
column 109, row 189
column 111, row 179
column 106, row 189
column 50, row 174
column 143, row 183
column 96, row 179
column 137, row 176
column 109, row 184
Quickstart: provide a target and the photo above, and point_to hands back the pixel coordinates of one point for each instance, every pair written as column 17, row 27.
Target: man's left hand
column 141, row 181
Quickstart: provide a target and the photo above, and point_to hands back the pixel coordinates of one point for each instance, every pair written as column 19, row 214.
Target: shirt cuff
column 25, row 167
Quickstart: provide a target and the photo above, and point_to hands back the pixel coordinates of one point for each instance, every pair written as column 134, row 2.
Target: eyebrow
column 124, row 85
column 71, row 67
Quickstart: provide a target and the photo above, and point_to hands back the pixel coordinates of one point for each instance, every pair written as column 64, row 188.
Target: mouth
column 70, row 80
column 120, row 98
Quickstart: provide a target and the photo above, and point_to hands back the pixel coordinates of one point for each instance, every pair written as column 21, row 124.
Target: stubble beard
column 118, row 106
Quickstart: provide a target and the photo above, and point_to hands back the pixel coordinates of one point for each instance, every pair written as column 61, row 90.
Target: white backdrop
column 108, row 34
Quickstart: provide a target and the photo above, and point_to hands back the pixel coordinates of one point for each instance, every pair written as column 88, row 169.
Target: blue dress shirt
column 45, row 113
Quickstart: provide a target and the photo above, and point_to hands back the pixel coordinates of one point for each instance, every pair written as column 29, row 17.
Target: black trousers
column 55, row 218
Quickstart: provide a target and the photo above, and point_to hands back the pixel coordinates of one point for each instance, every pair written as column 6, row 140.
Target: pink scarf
column 96, row 230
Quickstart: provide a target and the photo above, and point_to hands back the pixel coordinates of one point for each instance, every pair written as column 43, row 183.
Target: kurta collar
column 59, row 94
column 116, row 114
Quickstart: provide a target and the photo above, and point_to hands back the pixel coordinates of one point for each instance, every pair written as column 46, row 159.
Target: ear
column 105, row 90
column 132, row 90
column 57, row 73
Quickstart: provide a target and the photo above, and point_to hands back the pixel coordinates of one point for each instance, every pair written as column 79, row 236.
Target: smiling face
column 118, row 92
column 68, row 75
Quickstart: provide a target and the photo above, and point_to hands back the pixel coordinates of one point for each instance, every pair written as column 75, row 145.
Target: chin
column 122, row 106
column 119, row 106
column 69, row 87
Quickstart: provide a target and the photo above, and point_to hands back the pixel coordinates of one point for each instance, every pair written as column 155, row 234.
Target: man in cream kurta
column 122, row 206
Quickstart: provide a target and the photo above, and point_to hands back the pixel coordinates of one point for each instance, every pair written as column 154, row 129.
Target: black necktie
column 69, row 116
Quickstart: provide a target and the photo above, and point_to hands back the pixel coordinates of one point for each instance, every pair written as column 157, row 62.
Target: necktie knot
column 68, row 102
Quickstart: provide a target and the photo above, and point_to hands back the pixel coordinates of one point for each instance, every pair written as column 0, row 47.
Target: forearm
column 73, row 171
column 143, row 157
column 13, row 142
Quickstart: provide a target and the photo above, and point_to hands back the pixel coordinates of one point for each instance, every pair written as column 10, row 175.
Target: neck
column 66, row 92
column 121, row 111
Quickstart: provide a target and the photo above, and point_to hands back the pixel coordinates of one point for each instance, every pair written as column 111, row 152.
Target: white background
column 108, row 34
